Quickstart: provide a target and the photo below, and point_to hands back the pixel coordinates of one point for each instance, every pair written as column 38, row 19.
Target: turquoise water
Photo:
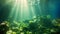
column 30, row 16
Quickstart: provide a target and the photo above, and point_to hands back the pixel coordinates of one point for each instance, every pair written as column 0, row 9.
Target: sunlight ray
column 12, row 10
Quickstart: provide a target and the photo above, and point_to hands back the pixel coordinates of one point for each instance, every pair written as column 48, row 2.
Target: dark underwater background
column 46, row 22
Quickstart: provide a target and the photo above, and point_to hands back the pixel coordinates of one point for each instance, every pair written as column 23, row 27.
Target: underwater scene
column 29, row 16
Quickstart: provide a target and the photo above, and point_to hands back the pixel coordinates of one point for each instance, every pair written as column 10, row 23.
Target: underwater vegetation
column 29, row 16
column 37, row 25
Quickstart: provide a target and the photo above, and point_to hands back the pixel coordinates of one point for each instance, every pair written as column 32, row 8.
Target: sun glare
column 21, row 10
